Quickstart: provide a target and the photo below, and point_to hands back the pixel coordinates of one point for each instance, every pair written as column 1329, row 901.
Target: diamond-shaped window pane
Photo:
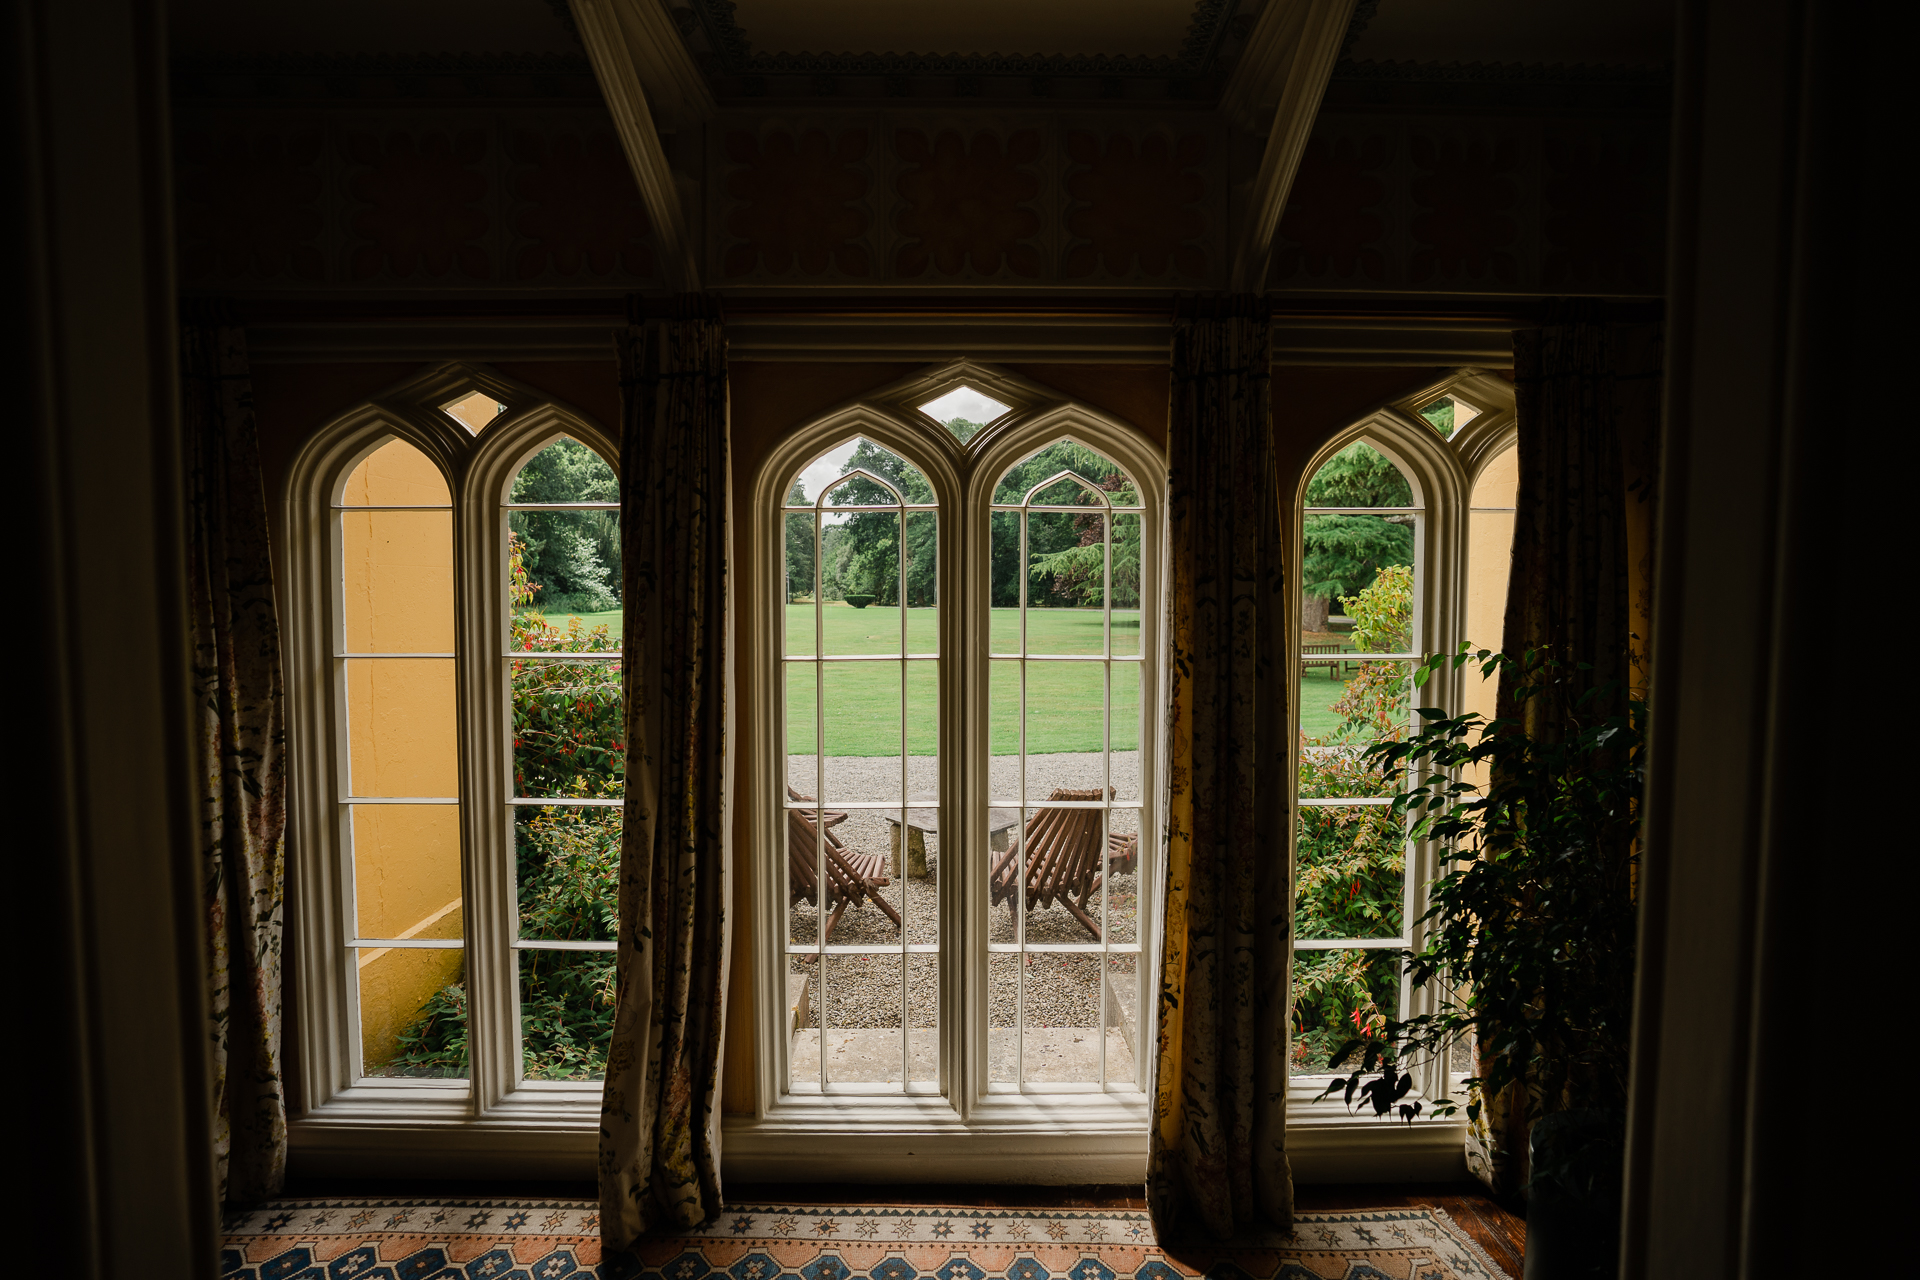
column 473, row 410
column 963, row 411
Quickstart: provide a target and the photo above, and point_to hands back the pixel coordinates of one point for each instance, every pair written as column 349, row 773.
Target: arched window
column 955, row 806
column 455, row 614
column 1394, row 565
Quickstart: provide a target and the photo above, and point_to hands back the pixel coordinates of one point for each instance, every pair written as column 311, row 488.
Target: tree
column 799, row 545
column 1345, row 552
column 1063, row 548
column 865, row 554
column 572, row 557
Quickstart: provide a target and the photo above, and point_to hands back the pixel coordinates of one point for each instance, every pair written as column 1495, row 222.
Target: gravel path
column 864, row 991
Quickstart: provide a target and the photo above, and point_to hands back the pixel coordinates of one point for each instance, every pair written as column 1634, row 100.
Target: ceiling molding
column 1301, row 67
column 633, row 48
column 996, row 338
column 1503, row 72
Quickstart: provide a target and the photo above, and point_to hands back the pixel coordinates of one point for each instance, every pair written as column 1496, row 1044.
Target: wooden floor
column 1496, row 1228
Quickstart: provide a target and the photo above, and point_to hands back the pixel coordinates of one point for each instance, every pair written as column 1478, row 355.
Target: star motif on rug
column 516, row 1221
column 395, row 1219
column 786, row 1226
column 480, row 1218
column 553, row 1220
column 741, row 1224
column 320, row 1220
column 590, row 1224
column 1096, row 1230
column 1137, row 1230
column 443, row 1216
column 1018, row 1229
column 866, row 1229
column 903, row 1228
column 353, row 1265
column 943, row 1229
column 1057, row 1229
column 361, row 1218
column 276, row 1222
column 1328, row 1237
column 981, row 1230
column 825, row 1227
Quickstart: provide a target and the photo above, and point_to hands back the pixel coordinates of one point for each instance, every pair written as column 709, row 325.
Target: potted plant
column 1530, row 934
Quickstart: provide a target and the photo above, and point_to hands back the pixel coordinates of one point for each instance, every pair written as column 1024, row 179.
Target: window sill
column 551, row 1130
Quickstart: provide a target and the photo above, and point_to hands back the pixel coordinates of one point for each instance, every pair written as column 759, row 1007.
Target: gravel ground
column 864, row 991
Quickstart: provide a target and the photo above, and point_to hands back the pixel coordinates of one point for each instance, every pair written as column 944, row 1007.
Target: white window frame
column 1325, row 1141
column 351, row 1123
column 968, row 1131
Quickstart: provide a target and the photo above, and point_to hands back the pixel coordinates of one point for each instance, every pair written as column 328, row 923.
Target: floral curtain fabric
column 1217, row 1161
column 659, row 1137
column 1587, row 407
column 238, row 695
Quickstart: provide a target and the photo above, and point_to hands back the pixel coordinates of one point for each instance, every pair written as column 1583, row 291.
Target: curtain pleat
column 659, row 1136
column 238, row 695
column 1217, row 1162
column 1587, row 409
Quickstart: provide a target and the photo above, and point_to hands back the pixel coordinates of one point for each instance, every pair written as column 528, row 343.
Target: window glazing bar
column 1364, row 511
column 536, row 944
column 1343, row 802
column 424, row 944
column 1348, row 944
column 357, row 656
column 559, row 506
column 558, row 802
column 399, row 800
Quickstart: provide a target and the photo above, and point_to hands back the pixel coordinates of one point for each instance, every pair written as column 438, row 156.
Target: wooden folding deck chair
column 1063, row 859
column 851, row 877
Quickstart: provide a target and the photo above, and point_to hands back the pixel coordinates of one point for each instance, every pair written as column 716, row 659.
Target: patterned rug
column 554, row 1239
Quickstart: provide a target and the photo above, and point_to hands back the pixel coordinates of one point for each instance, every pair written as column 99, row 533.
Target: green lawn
column 1317, row 696
column 863, row 700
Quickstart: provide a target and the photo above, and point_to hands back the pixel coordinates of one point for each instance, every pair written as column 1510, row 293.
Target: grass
column 1317, row 696
column 588, row 621
column 863, row 700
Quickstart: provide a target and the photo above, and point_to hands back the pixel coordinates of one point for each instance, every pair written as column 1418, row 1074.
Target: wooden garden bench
column 1333, row 665
column 1064, row 860
column 851, row 877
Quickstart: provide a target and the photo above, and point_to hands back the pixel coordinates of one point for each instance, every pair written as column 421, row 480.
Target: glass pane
column 1066, row 726
column 1121, row 1008
column 859, row 570
column 565, row 471
column 1123, row 875
column 1440, row 416
column 1003, row 624
column 1066, row 587
column 473, row 410
column 1359, row 476
column 923, row 1019
column 1003, row 992
column 406, row 870
column 799, row 558
column 1338, row 996
column 963, row 411
column 1338, row 718
column 861, row 887
column 395, row 475
column 396, row 581
column 568, row 726
column 1349, row 873
column 565, row 565
column 1126, row 585
column 413, row 1011
column 401, row 728
column 566, row 1014
column 914, row 864
column 803, row 1011
column 1064, row 455
column 1003, row 731
column 1124, row 770
column 863, row 731
column 1062, row 1041
column 567, row 869
column 923, row 726
column 1064, row 850
column 863, row 1036
column 802, row 681
column 923, row 564
column 1352, row 565
column 1063, row 492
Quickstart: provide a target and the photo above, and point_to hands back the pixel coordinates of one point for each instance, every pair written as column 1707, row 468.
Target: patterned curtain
column 1217, row 1161
column 237, row 688
column 659, row 1135
column 1587, row 405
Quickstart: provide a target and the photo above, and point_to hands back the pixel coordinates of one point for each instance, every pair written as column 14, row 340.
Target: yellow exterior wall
column 402, row 736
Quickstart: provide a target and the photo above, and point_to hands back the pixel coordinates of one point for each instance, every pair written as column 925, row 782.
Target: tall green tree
column 1344, row 553
column 1064, row 550
column 865, row 555
column 799, row 545
column 572, row 557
